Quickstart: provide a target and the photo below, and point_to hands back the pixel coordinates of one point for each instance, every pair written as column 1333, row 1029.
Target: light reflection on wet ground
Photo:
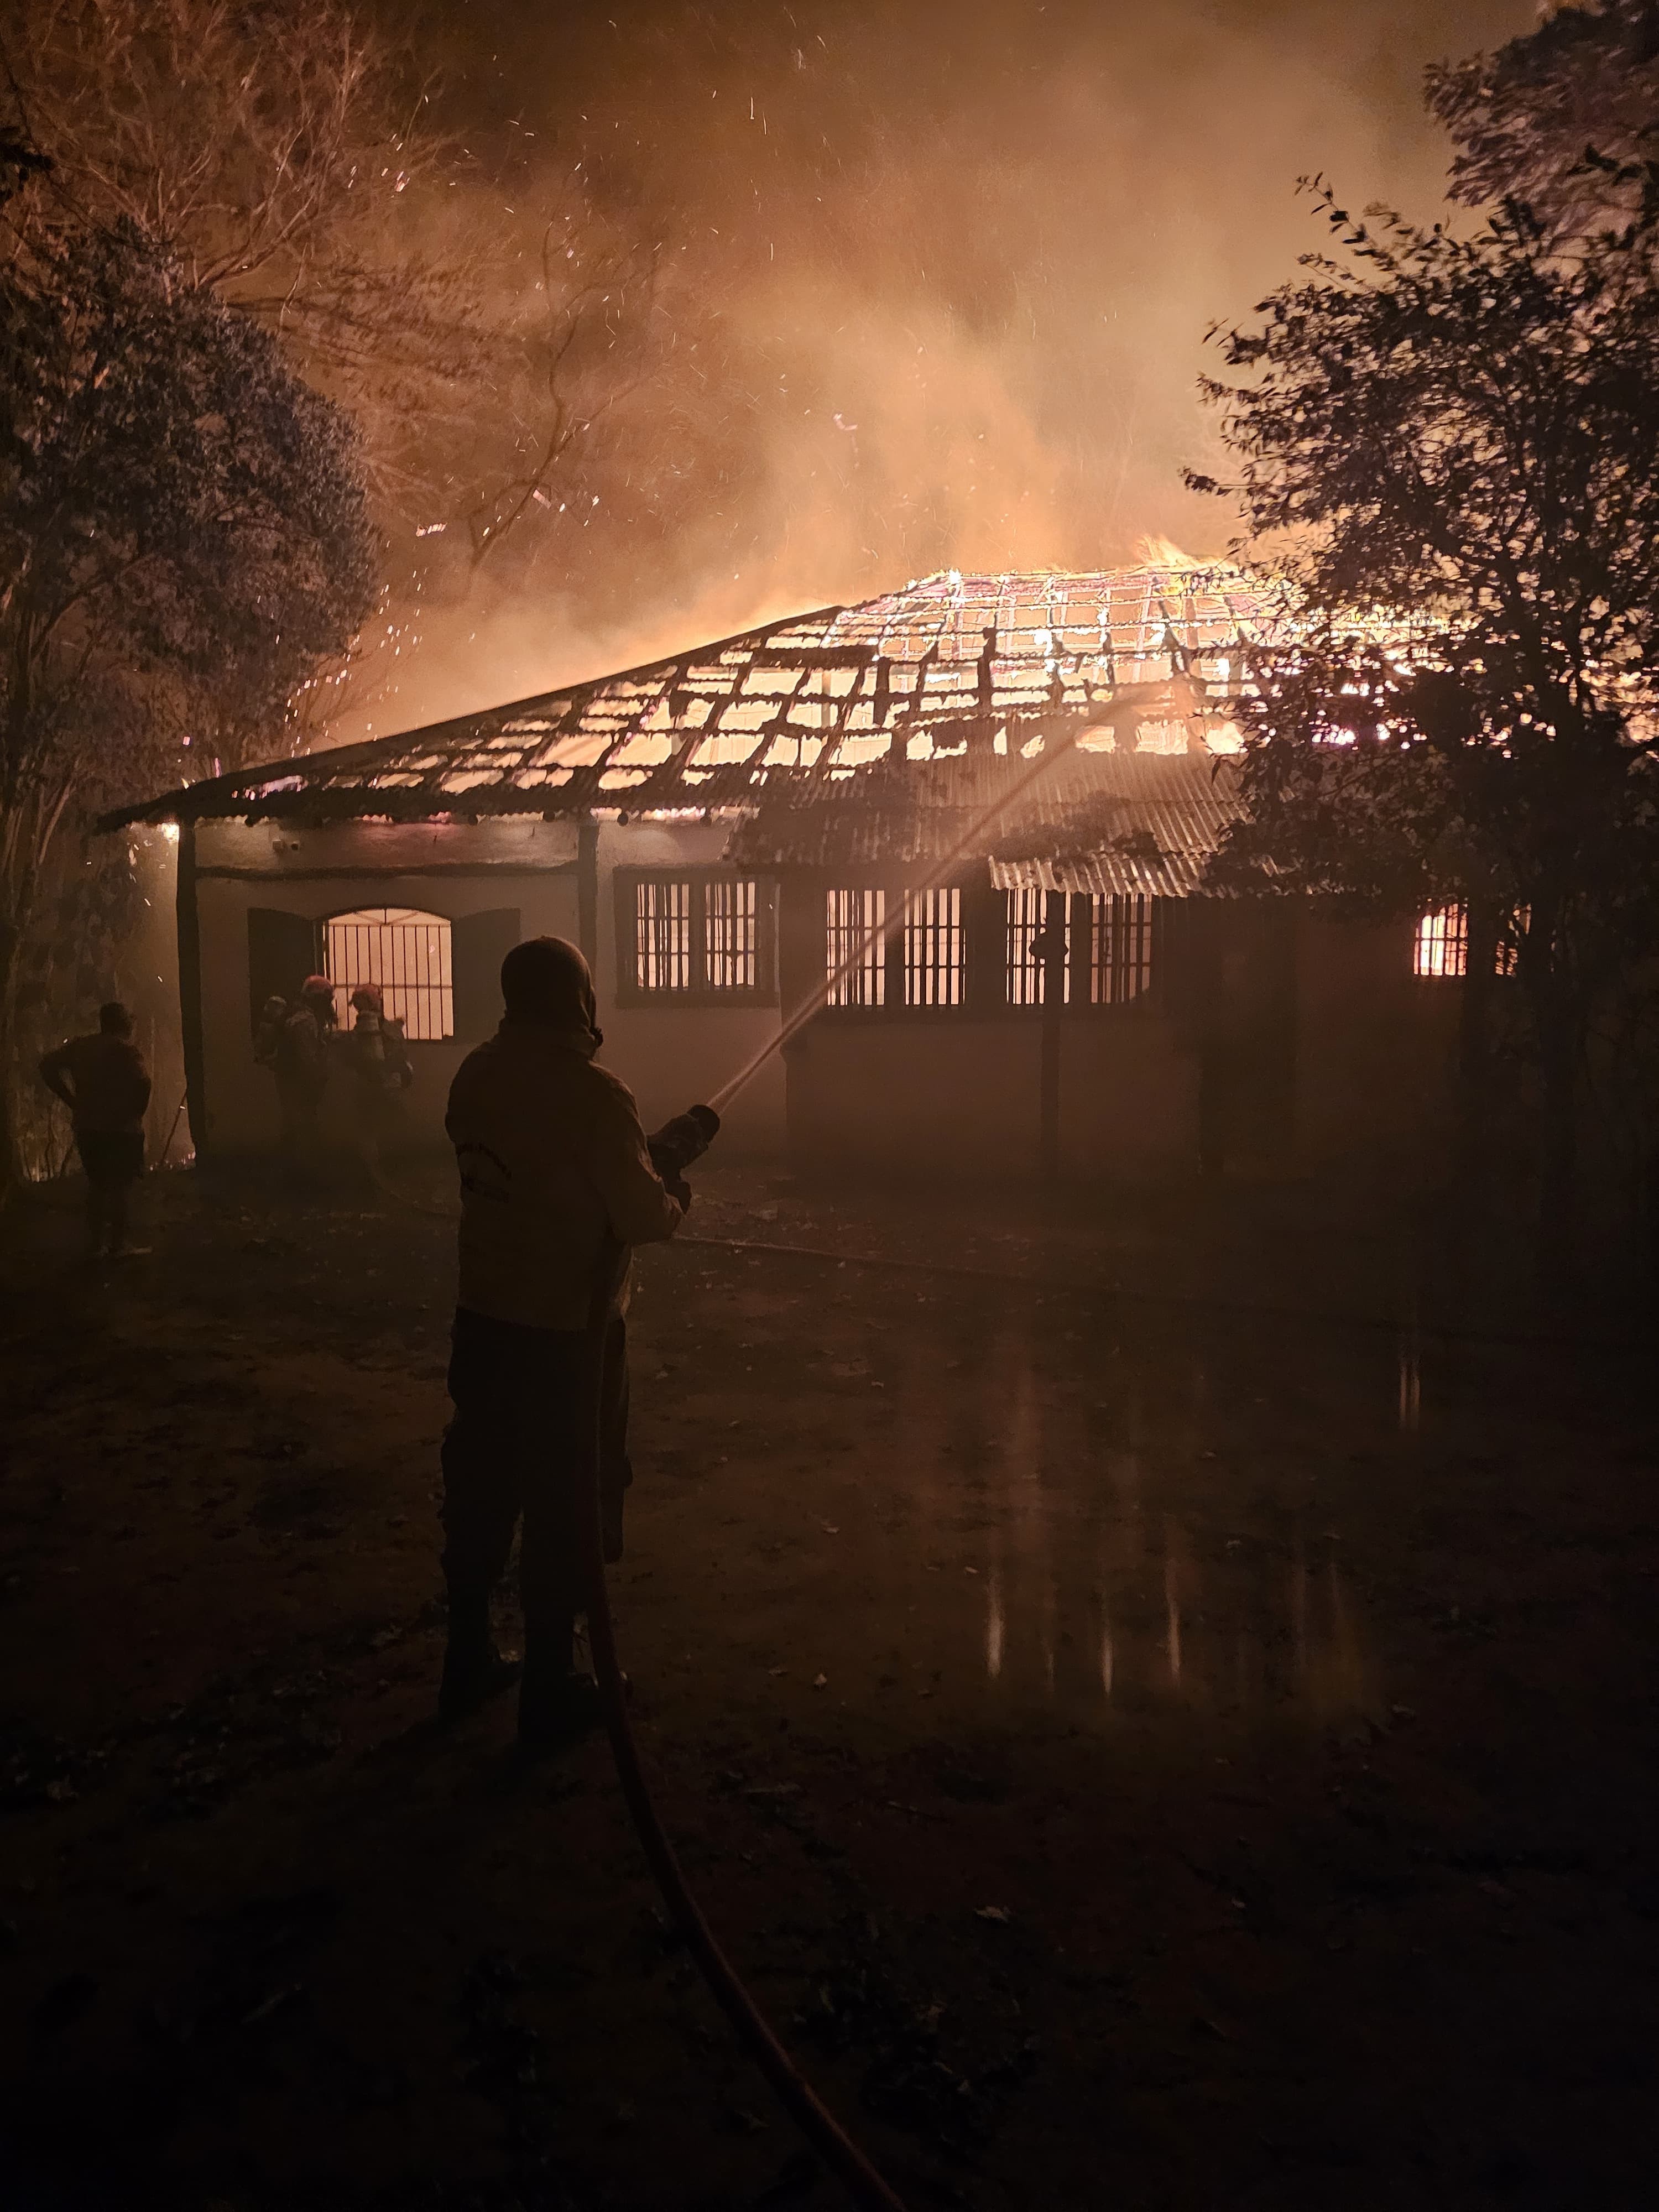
column 1094, row 1592
column 1016, row 1505
column 1254, row 1711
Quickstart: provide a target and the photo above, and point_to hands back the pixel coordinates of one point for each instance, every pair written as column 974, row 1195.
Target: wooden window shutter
column 477, row 946
column 283, row 950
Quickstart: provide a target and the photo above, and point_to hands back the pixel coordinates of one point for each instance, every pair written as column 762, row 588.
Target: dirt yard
column 1153, row 1730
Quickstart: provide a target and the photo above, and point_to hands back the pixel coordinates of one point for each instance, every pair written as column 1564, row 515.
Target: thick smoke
column 931, row 288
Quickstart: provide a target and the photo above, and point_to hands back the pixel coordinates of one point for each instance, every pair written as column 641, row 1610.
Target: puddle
column 1064, row 1602
column 1088, row 1529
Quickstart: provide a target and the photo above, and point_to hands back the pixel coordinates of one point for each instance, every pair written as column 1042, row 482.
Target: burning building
column 971, row 819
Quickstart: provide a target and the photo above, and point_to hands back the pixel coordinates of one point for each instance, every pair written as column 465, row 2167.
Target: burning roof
column 1132, row 661
column 1116, row 823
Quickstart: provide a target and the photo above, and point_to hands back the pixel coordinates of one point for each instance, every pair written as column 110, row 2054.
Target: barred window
column 662, row 936
column 1442, row 945
column 1031, row 913
column 731, row 935
column 406, row 952
column 697, row 936
column 1120, row 948
column 1507, row 956
column 856, row 939
column 934, row 951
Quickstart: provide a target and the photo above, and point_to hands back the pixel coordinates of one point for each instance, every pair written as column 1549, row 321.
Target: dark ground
column 1141, row 1753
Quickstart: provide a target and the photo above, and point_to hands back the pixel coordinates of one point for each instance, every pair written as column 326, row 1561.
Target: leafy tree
column 1565, row 117
column 1447, row 446
column 287, row 154
column 184, row 535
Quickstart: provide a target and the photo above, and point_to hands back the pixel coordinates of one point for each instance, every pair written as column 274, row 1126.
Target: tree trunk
column 11, row 953
column 1558, row 1155
column 1475, row 1060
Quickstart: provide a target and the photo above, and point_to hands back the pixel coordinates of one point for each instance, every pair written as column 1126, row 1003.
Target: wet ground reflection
column 1093, row 1524
column 1075, row 1483
column 1094, row 1607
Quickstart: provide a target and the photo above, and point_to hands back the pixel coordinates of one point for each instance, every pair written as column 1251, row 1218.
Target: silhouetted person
column 103, row 1081
column 555, row 1183
column 268, row 1030
column 377, row 1059
column 300, row 1061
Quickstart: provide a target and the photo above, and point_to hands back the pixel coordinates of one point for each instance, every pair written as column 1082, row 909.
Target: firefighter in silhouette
column 556, row 1181
column 268, row 1031
column 377, row 1060
column 103, row 1081
column 301, row 1060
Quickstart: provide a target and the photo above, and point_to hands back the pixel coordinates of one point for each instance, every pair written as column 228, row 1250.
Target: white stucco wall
column 448, row 868
column 670, row 1055
column 675, row 1055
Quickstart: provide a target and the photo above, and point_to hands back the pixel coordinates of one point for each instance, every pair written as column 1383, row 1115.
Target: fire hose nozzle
column 679, row 1142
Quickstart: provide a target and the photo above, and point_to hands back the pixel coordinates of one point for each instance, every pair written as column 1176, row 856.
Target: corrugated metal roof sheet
column 1110, row 821
column 952, row 663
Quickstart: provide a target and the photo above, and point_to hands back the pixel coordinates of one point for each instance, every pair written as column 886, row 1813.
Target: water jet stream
column 812, row 1001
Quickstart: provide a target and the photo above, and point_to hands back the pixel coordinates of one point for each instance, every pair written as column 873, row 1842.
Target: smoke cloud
column 931, row 285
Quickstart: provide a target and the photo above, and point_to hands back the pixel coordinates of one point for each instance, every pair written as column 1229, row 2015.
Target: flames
column 1154, row 552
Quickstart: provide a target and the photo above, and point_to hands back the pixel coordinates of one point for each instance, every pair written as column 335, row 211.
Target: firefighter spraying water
column 559, row 1181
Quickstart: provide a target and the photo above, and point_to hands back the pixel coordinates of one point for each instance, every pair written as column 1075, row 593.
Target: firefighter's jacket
column 302, row 1052
column 554, row 1177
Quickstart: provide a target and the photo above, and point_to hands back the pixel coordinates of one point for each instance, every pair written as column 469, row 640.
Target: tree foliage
column 480, row 325
column 1583, row 81
column 183, row 531
column 1447, row 447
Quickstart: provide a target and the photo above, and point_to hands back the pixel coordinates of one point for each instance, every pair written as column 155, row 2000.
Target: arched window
column 407, row 953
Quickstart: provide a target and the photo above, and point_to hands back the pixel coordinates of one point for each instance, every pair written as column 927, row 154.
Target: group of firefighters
column 301, row 1044
column 102, row 1079
column 558, row 1182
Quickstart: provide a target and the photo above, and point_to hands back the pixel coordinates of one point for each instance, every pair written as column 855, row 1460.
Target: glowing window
column 693, row 937
column 1507, row 957
column 1030, row 915
column 854, row 937
column 934, row 951
column 731, row 935
column 1442, row 945
column 406, row 952
column 662, row 936
column 1120, row 948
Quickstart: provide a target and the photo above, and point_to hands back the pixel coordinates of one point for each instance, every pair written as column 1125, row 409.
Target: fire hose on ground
column 673, row 1148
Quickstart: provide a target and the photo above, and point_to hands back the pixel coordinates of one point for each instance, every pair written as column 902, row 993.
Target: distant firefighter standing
column 104, row 1082
column 299, row 1057
column 378, row 1059
column 557, row 1183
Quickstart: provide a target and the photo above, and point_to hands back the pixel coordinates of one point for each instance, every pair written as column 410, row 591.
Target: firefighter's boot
column 474, row 1670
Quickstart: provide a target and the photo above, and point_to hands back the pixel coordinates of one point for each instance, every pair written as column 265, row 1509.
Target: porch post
column 587, row 889
column 1051, row 949
column 190, row 987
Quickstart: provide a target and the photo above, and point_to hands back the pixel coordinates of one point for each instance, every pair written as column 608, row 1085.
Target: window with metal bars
column 935, row 949
column 855, row 947
column 1120, row 948
column 662, row 937
column 1442, row 944
column 407, row 953
column 731, row 935
column 1036, row 919
column 693, row 937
